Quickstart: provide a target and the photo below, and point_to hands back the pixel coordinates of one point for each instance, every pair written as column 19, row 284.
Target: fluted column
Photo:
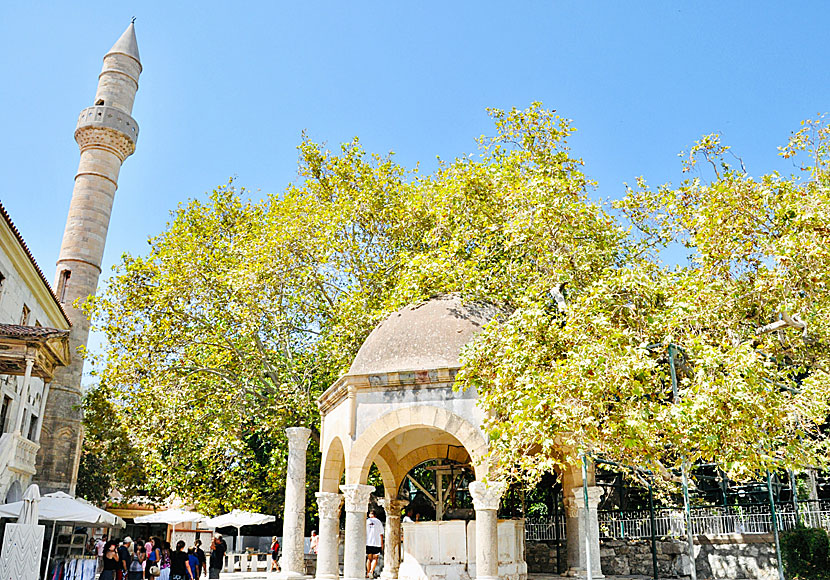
column 328, row 506
column 292, row 563
column 392, row 542
column 582, row 539
column 486, row 499
column 357, row 503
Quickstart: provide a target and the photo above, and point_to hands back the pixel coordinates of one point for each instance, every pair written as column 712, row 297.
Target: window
column 32, row 427
column 99, row 102
column 63, row 282
column 4, row 411
column 24, row 316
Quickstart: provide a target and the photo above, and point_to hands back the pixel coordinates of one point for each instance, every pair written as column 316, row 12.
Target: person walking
column 275, row 554
column 164, row 561
column 374, row 543
column 193, row 560
column 218, row 547
column 179, row 563
column 314, row 541
column 200, row 555
column 109, row 561
column 153, row 547
column 99, row 551
column 124, row 558
column 136, row 569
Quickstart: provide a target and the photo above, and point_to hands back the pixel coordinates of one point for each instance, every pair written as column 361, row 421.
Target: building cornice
column 23, row 259
column 339, row 391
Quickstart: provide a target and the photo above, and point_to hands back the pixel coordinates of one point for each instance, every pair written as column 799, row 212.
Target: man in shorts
column 374, row 543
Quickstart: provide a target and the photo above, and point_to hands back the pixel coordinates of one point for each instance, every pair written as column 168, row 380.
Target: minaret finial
column 132, row 20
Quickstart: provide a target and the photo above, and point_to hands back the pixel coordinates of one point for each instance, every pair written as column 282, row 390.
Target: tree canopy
column 243, row 311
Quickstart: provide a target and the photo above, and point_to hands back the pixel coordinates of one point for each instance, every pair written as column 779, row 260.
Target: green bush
column 805, row 552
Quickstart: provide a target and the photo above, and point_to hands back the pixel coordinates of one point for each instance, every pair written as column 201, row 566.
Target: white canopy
column 238, row 518
column 62, row 507
column 172, row 517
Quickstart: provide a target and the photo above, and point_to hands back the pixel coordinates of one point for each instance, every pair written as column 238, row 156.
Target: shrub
column 805, row 554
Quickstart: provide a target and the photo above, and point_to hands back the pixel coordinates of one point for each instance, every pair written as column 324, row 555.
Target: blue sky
column 228, row 88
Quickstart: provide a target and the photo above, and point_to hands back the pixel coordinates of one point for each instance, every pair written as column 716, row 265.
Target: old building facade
column 34, row 342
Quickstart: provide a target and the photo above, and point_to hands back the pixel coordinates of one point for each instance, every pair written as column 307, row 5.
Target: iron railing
column 713, row 520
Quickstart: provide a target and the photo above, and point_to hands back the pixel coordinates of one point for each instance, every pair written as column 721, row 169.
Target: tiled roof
column 23, row 245
column 35, row 332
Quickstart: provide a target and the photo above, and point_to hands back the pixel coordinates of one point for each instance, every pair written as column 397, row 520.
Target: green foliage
column 593, row 375
column 243, row 312
column 94, row 483
column 806, row 554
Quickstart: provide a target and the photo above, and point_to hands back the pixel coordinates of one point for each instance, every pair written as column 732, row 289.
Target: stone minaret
column 106, row 135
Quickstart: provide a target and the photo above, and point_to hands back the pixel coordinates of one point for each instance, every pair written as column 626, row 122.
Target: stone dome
column 425, row 336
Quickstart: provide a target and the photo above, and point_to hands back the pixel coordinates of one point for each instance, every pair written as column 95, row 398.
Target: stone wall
column 729, row 557
column 543, row 557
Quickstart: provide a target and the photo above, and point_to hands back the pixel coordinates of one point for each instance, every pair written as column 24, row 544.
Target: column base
column 384, row 575
column 582, row 574
column 288, row 575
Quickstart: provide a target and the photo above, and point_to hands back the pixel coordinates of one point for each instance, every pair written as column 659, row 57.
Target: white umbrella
column 237, row 519
column 172, row 517
column 29, row 513
column 62, row 507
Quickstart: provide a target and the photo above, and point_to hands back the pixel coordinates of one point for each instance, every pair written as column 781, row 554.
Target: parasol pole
column 49, row 554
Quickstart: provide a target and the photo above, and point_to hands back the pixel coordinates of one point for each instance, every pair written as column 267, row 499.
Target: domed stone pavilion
column 396, row 408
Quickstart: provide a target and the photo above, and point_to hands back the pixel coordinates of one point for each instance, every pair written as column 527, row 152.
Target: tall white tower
column 106, row 135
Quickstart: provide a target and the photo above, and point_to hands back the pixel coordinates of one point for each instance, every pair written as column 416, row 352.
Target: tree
column 243, row 311
column 593, row 376
column 240, row 315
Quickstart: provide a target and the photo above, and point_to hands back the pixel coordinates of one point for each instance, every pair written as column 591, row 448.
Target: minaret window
column 99, row 102
column 63, row 282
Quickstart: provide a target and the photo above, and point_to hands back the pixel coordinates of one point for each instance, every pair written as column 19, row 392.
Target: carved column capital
column 487, row 496
column 328, row 504
column 357, row 496
column 394, row 506
column 298, row 437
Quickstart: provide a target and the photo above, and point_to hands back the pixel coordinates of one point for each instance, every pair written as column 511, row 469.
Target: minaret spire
column 106, row 134
column 127, row 44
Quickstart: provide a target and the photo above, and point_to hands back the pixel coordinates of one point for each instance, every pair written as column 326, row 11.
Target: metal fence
column 550, row 528
column 713, row 520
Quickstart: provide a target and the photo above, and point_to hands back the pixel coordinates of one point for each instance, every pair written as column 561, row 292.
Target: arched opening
column 413, row 436
column 334, row 466
column 438, row 490
column 15, row 492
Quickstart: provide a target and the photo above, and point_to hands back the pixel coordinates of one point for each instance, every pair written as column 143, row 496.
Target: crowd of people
column 155, row 558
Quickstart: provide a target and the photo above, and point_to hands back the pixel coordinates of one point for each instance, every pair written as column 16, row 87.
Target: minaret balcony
column 101, row 116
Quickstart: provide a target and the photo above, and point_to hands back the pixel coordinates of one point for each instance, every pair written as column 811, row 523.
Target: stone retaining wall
column 729, row 557
column 541, row 557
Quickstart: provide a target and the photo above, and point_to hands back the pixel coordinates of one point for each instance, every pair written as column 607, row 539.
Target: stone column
column 392, row 541
column 486, row 499
column 579, row 538
column 328, row 505
column 357, row 504
column 23, row 397
column 292, row 563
